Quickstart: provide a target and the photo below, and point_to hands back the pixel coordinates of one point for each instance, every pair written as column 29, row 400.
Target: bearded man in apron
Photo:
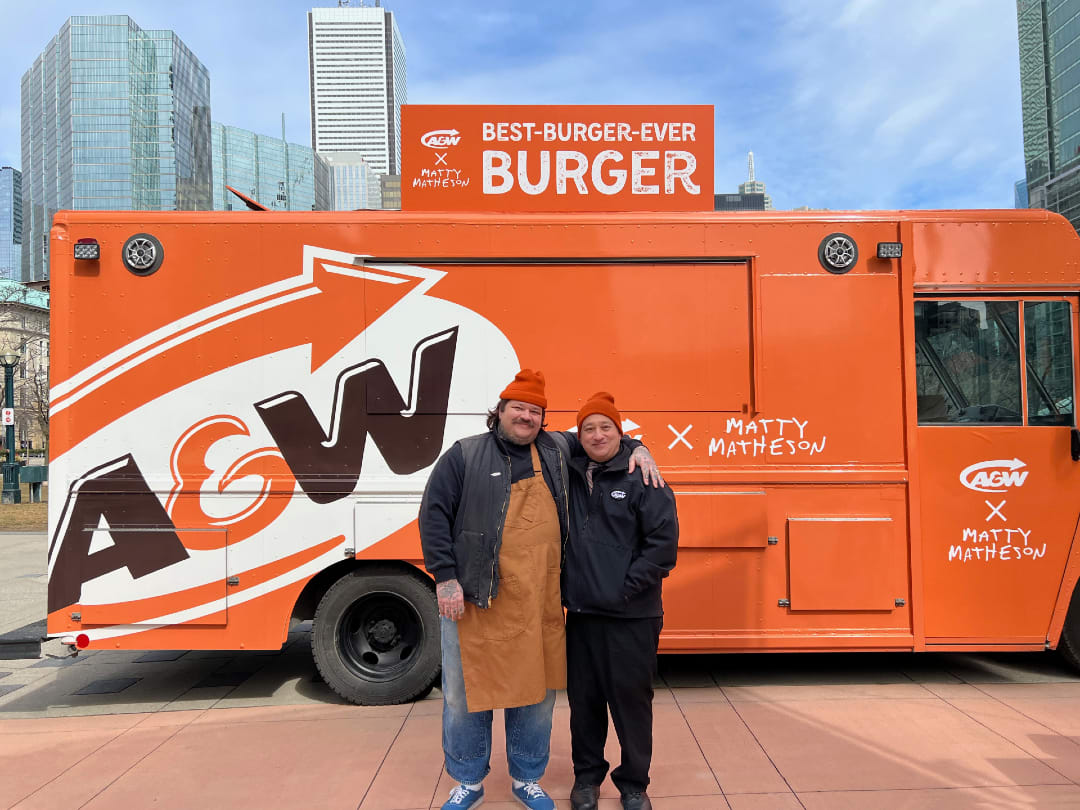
column 493, row 523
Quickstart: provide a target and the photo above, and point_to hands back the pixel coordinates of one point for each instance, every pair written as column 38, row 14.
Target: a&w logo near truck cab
column 994, row 476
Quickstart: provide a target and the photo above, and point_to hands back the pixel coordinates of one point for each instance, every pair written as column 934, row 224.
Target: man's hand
column 650, row 473
column 451, row 599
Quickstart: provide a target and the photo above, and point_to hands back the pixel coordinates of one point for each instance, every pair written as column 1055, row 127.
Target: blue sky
column 845, row 103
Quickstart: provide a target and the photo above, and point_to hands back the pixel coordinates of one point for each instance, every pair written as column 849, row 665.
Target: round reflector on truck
column 142, row 254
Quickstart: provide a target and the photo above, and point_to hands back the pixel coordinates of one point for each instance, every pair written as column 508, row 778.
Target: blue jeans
column 467, row 735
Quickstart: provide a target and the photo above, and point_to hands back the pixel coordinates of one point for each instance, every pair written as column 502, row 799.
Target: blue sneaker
column 532, row 796
column 462, row 797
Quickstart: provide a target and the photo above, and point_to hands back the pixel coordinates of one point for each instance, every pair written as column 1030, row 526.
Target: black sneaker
column 635, row 801
column 584, row 797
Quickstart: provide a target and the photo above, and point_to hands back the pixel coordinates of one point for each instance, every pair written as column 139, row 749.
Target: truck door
column 995, row 483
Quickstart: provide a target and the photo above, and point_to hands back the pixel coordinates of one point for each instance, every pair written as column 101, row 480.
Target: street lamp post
column 11, row 492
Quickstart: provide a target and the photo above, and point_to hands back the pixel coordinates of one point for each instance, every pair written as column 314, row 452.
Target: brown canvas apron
column 515, row 650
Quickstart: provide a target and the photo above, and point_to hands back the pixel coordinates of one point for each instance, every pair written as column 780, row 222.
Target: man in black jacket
column 623, row 542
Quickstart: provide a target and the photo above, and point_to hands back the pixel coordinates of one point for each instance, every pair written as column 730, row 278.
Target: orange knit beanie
column 602, row 403
column 528, row 386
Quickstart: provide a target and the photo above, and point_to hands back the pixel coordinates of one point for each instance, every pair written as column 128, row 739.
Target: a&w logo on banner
column 441, row 138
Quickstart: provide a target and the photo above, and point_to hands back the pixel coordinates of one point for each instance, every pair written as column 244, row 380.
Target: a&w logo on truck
column 994, row 476
column 258, row 461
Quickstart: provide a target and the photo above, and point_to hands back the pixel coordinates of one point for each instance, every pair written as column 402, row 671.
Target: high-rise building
column 752, row 186
column 356, row 185
column 743, row 201
column 1049, row 37
column 114, row 117
column 391, row 192
column 356, row 60
column 1049, row 87
column 282, row 176
column 1020, row 195
column 10, row 224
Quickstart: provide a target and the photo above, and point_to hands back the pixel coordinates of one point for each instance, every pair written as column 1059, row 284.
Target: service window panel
column 842, row 563
column 829, row 356
column 722, row 519
column 659, row 337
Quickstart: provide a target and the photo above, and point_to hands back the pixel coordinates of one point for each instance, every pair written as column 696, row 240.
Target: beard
column 502, row 434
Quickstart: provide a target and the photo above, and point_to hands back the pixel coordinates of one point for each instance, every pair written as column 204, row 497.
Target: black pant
column 611, row 663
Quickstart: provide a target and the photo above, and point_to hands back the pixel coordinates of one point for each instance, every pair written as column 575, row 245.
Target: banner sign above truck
column 556, row 158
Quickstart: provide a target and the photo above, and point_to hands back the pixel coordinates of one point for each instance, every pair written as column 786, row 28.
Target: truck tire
column 1069, row 644
column 375, row 637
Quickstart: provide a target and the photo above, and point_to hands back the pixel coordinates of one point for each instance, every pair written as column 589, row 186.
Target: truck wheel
column 375, row 638
column 1069, row 644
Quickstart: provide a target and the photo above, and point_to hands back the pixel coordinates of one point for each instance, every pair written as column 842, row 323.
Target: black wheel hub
column 380, row 636
column 383, row 635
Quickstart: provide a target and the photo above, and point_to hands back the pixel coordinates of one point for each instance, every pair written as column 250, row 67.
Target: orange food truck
column 867, row 453
column 867, row 418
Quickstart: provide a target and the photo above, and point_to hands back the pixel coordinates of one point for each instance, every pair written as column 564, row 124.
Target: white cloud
column 901, row 123
column 853, row 11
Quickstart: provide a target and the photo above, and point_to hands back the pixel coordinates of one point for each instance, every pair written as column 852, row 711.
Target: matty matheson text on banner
column 557, row 158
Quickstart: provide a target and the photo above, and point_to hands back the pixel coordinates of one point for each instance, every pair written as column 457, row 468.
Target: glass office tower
column 1049, row 34
column 356, row 184
column 10, row 224
column 1020, row 194
column 113, row 118
column 282, row 176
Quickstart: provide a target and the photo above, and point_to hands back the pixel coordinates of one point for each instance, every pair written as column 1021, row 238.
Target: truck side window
column 1048, row 341
column 968, row 362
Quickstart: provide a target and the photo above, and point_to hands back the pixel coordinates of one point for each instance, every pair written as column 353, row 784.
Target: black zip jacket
column 464, row 505
column 465, row 502
column 623, row 541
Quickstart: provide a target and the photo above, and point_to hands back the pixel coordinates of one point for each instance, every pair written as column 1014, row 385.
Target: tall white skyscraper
column 357, row 64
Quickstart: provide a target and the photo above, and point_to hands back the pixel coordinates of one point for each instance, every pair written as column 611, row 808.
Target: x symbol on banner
column 679, row 437
column 440, row 157
column 995, row 510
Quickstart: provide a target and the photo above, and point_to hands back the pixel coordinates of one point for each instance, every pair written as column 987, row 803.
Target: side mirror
column 1075, row 444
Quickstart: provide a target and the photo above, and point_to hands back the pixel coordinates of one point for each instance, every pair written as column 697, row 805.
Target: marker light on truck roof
column 87, row 249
